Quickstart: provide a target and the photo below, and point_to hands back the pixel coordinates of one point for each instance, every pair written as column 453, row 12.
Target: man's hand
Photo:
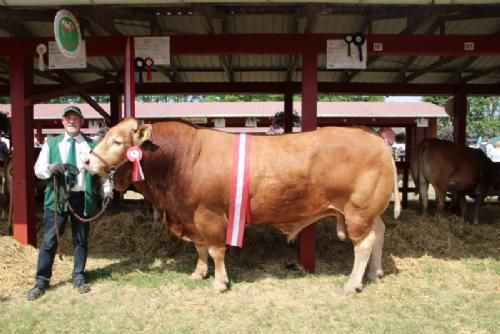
column 57, row 168
column 107, row 194
column 107, row 191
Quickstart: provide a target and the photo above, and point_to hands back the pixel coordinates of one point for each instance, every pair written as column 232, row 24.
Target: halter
column 110, row 169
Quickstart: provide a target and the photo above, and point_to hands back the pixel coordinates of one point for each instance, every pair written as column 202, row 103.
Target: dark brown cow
column 295, row 180
column 7, row 175
column 455, row 168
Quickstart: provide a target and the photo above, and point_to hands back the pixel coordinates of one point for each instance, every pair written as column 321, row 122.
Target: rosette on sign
column 67, row 33
column 41, row 49
column 134, row 155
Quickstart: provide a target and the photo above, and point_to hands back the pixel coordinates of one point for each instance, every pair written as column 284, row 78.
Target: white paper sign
column 422, row 122
column 337, row 56
column 156, row 48
column 59, row 61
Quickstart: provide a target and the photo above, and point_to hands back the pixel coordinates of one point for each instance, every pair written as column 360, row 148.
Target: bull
column 456, row 168
column 295, row 179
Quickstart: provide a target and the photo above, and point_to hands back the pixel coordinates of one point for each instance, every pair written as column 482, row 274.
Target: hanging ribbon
column 41, row 49
column 149, row 66
column 134, row 155
column 139, row 65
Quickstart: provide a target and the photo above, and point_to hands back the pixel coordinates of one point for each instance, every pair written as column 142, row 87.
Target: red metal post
column 129, row 78
column 288, row 126
column 459, row 115
column 307, row 243
column 115, row 108
column 23, row 199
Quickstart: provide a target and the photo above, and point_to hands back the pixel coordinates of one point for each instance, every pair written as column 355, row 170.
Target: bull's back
column 312, row 172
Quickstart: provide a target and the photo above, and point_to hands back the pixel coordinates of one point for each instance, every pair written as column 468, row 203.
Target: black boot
column 35, row 293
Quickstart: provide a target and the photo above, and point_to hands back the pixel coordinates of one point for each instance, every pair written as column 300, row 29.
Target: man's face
column 72, row 123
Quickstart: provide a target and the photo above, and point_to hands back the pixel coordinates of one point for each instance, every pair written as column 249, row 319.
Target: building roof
column 252, row 109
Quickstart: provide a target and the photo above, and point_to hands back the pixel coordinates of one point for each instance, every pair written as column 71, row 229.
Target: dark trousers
column 80, row 232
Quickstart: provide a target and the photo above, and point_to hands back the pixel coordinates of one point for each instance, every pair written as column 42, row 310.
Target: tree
column 483, row 118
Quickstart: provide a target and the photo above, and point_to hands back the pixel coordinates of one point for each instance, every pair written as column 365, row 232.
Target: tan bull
column 295, row 179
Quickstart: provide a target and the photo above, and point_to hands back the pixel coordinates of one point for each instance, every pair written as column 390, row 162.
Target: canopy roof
column 26, row 18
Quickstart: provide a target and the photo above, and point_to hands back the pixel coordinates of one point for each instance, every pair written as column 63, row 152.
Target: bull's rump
column 304, row 176
column 449, row 166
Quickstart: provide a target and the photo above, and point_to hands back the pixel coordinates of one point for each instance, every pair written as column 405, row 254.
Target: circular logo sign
column 134, row 153
column 67, row 33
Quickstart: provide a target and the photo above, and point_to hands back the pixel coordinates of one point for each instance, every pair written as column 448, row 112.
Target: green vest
column 92, row 182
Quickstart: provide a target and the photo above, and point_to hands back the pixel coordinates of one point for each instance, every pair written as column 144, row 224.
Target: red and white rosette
column 134, row 155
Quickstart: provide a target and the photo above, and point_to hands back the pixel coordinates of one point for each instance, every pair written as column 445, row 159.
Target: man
column 55, row 159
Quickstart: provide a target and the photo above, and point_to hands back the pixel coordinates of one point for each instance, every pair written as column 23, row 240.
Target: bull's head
column 111, row 150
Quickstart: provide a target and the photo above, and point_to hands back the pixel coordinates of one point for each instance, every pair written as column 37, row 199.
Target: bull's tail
column 397, row 199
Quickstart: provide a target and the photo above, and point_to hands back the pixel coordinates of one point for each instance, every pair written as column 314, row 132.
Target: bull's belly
column 291, row 225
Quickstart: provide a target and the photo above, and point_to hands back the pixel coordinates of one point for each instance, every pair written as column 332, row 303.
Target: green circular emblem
column 67, row 33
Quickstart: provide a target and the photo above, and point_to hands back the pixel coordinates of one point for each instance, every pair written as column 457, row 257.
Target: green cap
column 74, row 109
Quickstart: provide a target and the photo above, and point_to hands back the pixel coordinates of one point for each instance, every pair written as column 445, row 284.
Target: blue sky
column 403, row 98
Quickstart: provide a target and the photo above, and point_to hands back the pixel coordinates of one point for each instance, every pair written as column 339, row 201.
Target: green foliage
column 350, row 98
column 483, row 118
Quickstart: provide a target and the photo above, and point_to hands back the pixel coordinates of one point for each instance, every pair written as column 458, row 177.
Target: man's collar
column 78, row 138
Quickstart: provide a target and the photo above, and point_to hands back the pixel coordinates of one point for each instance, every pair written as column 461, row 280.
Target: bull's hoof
column 374, row 276
column 198, row 276
column 220, row 287
column 351, row 289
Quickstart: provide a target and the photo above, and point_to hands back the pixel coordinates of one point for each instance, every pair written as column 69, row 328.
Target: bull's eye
column 117, row 142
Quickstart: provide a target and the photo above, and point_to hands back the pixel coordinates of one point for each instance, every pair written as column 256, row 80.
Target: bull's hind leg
column 375, row 265
column 221, row 280
column 423, row 190
column 201, row 266
column 362, row 252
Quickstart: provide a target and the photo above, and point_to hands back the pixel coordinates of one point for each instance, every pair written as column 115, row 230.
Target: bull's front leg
column 221, row 280
column 201, row 266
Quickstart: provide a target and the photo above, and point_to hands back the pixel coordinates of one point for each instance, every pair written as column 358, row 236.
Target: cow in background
column 455, row 168
column 295, row 179
column 7, row 175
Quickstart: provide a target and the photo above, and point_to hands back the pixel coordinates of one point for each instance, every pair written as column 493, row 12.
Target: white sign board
column 422, row 122
column 59, row 61
column 156, row 48
column 337, row 55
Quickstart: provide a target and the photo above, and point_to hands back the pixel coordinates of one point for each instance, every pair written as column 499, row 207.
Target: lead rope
column 105, row 204
column 56, row 215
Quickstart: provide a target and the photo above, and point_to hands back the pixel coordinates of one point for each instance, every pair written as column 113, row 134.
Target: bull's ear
column 142, row 134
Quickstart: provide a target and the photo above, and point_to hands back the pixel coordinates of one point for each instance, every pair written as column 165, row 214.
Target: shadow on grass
column 139, row 245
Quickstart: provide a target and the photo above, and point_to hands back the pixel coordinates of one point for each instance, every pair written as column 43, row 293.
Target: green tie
column 72, row 152
column 71, row 178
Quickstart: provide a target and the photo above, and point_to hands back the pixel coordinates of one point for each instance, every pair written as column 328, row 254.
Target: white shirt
column 82, row 150
column 494, row 154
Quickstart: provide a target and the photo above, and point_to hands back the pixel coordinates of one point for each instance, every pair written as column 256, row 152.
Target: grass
column 442, row 276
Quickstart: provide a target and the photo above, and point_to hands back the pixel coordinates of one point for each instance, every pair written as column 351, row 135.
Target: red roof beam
column 102, row 46
column 449, row 45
